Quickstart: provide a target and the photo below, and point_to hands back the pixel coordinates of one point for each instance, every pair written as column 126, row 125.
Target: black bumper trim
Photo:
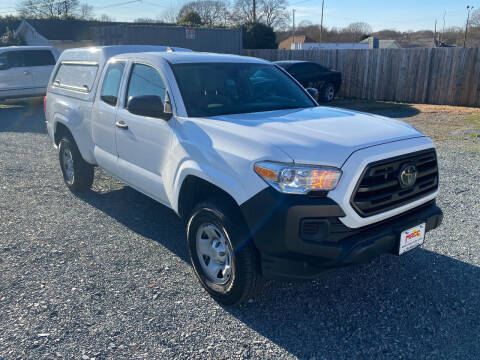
column 274, row 220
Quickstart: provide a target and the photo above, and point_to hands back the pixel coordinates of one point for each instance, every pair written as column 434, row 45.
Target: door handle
column 121, row 124
column 26, row 73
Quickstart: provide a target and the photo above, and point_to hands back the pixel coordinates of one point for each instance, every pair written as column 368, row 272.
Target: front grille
column 379, row 188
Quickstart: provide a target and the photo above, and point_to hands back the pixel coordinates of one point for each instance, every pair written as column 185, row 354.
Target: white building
column 368, row 43
column 329, row 46
column 61, row 34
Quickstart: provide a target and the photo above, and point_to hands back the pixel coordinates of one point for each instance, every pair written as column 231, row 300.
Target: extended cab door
column 104, row 114
column 143, row 142
column 15, row 76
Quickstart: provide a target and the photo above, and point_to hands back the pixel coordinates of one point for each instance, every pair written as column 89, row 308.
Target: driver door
column 143, row 142
column 15, row 76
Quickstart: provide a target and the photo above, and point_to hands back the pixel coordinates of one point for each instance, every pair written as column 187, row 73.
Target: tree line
column 265, row 22
column 355, row 32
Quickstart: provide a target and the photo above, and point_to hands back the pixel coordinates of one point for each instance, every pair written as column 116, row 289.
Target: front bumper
column 279, row 224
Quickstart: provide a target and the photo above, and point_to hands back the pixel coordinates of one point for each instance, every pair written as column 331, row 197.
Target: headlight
column 292, row 179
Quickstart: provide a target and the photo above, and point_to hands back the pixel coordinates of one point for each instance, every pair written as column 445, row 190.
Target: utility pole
column 254, row 11
column 435, row 35
column 293, row 30
column 469, row 8
column 321, row 22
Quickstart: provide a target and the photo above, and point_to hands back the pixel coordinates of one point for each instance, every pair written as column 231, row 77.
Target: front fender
column 216, row 177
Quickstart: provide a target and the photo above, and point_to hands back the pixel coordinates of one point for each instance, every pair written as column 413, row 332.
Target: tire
column 327, row 93
column 243, row 280
column 77, row 173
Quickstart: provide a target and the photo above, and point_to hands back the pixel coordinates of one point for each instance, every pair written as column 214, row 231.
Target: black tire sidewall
column 209, row 216
column 65, row 143
column 83, row 172
column 232, row 291
column 324, row 92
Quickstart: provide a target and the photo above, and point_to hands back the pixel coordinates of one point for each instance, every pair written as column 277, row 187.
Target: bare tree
column 358, row 30
column 145, row 20
column 106, row 18
column 243, row 12
column 270, row 12
column 475, row 19
column 274, row 13
column 86, row 11
column 48, row 8
column 212, row 12
column 169, row 16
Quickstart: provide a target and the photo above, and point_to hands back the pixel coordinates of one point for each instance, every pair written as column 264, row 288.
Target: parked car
column 313, row 75
column 269, row 184
column 25, row 70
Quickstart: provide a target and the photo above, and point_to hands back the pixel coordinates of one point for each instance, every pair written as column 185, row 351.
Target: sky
column 401, row 15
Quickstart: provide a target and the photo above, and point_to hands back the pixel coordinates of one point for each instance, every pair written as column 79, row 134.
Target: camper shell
column 91, row 61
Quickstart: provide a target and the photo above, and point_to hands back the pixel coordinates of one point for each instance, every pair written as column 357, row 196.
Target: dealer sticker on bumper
column 411, row 238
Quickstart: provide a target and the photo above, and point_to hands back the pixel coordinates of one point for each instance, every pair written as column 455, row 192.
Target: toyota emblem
column 408, row 176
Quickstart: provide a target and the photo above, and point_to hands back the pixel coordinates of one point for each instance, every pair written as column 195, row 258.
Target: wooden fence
column 446, row 76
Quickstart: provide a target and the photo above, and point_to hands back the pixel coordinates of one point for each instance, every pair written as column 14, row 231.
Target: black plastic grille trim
column 379, row 190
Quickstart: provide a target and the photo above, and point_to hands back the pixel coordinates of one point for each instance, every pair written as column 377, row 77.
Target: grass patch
column 474, row 119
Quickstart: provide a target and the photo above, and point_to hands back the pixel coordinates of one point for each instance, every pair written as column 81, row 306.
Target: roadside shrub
column 258, row 36
column 191, row 18
column 9, row 38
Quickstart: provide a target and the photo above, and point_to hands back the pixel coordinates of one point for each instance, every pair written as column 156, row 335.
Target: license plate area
column 411, row 238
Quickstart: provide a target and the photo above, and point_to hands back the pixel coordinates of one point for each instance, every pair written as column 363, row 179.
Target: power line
column 115, row 5
column 153, row 4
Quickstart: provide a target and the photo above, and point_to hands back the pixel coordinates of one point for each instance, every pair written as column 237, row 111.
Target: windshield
column 211, row 89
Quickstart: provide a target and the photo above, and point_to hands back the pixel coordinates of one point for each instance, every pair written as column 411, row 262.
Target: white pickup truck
column 25, row 70
column 269, row 184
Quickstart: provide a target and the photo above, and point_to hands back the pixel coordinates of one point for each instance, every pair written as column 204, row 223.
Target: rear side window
column 322, row 68
column 39, row 58
column 304, row 69
column 29, row 58
column 76, row 76
column 16, row 59
column 111, row 83
column 145, row 80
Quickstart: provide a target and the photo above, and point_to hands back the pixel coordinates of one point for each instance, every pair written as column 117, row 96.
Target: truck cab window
column 145, row 80
column 39, row 58
column 111, row 83
column 16, row 59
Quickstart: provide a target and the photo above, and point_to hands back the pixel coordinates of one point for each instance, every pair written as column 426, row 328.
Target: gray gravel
column 106, row 275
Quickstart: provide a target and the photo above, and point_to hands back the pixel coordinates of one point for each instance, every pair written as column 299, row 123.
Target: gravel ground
column 106, row 275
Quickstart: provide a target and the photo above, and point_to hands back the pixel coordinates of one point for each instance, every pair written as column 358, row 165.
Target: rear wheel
column 327, row 92
column 223, row 257
column 77, row 173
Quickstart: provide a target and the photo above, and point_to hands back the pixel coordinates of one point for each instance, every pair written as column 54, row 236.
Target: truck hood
column 320, row 135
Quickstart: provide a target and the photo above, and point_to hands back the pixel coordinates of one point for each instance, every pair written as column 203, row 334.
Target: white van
column 25, row 70
column 268, row 183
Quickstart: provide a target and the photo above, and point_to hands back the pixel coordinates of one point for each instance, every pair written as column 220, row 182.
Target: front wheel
column 223, row 257
column 327, row 93
column 77, row 173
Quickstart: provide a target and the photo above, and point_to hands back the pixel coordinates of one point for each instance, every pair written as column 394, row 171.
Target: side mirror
column 313, row 93
column 148, row 105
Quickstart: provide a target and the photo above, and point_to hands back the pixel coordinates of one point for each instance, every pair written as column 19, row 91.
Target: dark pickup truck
column 313, row 75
